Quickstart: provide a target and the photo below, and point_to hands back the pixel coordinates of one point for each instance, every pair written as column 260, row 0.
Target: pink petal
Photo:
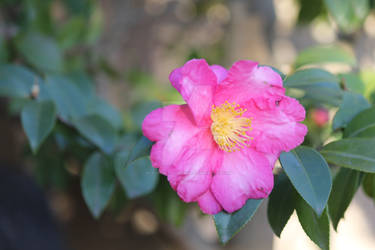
column 247, row 81
column 243, row 175
column 157, row 126
column 275, row 126
column 159, row 123
column 220, row 72
column 208, row 203
column 196, row 83
column 191, row 173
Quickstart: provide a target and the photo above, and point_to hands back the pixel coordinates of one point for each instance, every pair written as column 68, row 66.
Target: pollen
column 229, row 128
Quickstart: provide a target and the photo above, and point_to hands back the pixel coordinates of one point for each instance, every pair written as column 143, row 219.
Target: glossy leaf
column 319, row 85
column 362, row 125
column 309, row 174
column 98, row 183
column 98, row 131
column 38, row 120
column 317, row 228
column 351, row 105
column 345, row 185
column 327, row 93
column 16, row 81
column 40, row 51
column 354, row 153
column 227, row 225
column 306, row 77
column 281, row 204
column 138, row 177
column 321, row 55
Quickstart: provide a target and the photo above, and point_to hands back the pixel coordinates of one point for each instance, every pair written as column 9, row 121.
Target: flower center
column 229, row 128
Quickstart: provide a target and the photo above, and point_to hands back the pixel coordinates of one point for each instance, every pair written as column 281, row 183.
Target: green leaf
column 354, row 153
column 319, row 85
column 140, row 149
column 16, row 81
column 98, row 131
column 327, row 93
column 349, row 14
column 322, row 55
column 309, row 174
column 105, row 110
column 344, row 187
column 38, row 120
column 138, row 177
column 41, row 52
column 167, row 203
column 353, row 82
column 368, row 185
column 83, row 82
column 362, row 125
column 140, row 111
column 69, row 100
column 4, row 54
column 317, row 228
column 281, row 204
column 350, row 106
column 306, row 77
column 227, row 225
column 309, row 10
column 98, row 183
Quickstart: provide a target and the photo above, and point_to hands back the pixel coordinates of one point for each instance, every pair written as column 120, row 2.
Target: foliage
column 46, row 72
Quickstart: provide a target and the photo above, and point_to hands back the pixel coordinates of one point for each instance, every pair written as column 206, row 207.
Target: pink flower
column 220, row 147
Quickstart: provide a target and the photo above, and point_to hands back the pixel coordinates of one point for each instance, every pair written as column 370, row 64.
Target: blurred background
column 126, row 50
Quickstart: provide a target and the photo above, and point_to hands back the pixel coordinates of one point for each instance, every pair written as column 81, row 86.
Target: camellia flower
column 220, row 147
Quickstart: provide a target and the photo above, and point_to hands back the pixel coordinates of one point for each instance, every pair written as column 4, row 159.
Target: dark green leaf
column 41, row 52
column 98, row 131
column 16, row 81
column 138, row 177
column 369, row 185
column 327, row 93
column 321, row 55
column 281, row 203
column 317, row 228
column 3, row 51
column 309, row 174
column 362, row 125
column 344, row 187
column 105, row 110
column 318, row 85
column 140, row 149
column 227, row 225
column 168, row 205
column 140, row 111
column 308, row 77
column 310, row 9
column 38, row 120
column 351, row 105
column 354, row 153
column 69, row 100
column 98, row 183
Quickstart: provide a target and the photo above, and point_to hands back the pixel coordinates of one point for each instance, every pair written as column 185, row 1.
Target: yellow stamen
column 229, row 128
